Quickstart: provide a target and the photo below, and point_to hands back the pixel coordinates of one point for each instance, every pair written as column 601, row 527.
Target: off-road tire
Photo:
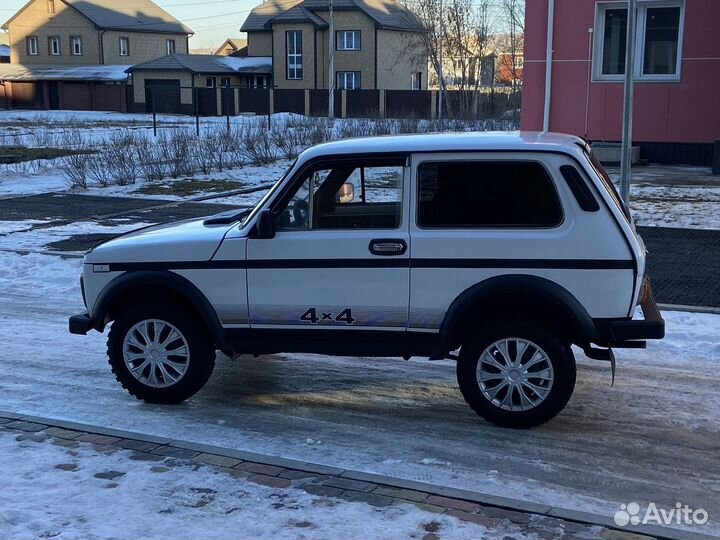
column 558, row 352
column 201, row 348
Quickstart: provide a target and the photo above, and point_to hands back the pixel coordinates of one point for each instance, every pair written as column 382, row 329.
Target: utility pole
column 626, row 154
column 440, row 66
column 331, row 66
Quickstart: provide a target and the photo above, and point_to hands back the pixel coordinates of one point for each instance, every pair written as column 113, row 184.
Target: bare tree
column 466, row 32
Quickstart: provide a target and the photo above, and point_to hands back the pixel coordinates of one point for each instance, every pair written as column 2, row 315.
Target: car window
column 472, row 194
column 346, row 196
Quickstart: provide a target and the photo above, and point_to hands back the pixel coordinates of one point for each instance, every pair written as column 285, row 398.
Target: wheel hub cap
column 156, row 353
column 515, row 374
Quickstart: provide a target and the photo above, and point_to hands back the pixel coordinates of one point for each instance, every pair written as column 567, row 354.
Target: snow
column 37, row 239
column 650, row 438
column 244, row 63
column 19, row 72
column 150, row 500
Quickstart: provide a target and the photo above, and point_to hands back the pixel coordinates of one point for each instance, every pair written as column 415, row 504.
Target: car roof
column 452, row 142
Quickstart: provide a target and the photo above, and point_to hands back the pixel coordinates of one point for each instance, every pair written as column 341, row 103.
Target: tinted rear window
column 487, row 194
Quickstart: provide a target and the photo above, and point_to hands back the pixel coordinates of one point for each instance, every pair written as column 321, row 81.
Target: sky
column 212, row 21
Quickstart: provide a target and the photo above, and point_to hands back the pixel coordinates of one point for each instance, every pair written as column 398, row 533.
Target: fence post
column 433, row 104
column 381, row 104
column 152, row 105
column 343, row 104
column 307, row 102
column 197, row 113
column 270, row 104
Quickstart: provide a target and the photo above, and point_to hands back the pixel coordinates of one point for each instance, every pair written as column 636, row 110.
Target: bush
column 75, row 169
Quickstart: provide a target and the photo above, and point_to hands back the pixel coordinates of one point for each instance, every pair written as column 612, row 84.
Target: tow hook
column 606, row 355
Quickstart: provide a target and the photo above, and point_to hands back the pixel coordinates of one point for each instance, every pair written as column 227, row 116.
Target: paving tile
column 65, row 443
column 145, row 456
column 34, row 437
column 271, row 481
column 63, row 433
column 170, row 451
column 454, row 504
column 501, row 513
column 109, row 475
column 428, row 507
column 298, row 475
column 97, row 439
column 259, row 468
column 140, row 446
column 369, row 498
column 485, row 521
column 408, row 494
column 354, row 485
column 26, row 426
column 66, row 466
column 321, row 491
column 213, row 459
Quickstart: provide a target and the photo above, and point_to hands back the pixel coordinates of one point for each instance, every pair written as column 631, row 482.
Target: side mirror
column 346, row 193
column 265, row 225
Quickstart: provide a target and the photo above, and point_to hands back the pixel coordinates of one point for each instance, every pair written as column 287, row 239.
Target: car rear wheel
column 160, row 354
column 516, row 374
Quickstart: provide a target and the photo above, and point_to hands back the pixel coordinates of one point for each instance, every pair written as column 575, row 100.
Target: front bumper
column 79, row 324
column 622, row 332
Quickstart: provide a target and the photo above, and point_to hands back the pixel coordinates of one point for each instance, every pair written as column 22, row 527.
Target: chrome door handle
column 396, row 246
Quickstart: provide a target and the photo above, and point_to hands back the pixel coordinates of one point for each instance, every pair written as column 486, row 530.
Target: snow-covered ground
column 650, row 438
column 41, row 498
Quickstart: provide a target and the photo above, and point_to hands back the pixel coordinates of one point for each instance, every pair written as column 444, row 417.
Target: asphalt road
column 654, row 436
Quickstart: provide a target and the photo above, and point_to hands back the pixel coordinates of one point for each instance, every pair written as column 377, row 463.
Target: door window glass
column 347, row 196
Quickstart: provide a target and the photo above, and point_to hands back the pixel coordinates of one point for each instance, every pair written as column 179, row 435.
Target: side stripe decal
column 562, row 264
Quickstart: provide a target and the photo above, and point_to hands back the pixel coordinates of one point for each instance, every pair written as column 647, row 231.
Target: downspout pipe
column 548, row 64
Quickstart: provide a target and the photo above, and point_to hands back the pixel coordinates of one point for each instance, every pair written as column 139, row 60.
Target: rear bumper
column 614, row 332
column 79, row 324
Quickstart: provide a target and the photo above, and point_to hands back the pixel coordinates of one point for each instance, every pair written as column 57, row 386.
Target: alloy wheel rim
column 515, row 374
column 156, row 353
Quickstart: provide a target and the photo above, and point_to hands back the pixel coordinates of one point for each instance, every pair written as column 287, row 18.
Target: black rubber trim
column 381, row 262
column 579, row 188
column 128, row 281
column 544, row 290
column 616, row 331
column 79, row 324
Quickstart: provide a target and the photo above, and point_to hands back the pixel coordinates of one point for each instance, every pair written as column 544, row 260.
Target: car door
column 339, row 258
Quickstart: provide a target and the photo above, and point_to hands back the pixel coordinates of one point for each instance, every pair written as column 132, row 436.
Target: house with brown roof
column 378, row 44
column 232, row 47
column 86, row 32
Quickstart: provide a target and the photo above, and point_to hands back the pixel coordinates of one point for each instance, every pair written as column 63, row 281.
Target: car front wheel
column 160, row 354
column 516, row 374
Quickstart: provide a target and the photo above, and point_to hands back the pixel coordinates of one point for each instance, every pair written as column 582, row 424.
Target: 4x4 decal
column 311, row 315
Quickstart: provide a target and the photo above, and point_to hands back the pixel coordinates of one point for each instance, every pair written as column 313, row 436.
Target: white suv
column 509, row 247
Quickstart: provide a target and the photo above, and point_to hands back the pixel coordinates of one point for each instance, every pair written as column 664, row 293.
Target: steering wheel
column 300, row 212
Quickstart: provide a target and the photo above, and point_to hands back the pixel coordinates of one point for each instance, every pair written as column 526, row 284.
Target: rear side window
column 472, row 194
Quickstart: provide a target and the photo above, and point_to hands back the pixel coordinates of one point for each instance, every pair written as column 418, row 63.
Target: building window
column 225, row 81
column 54, row 45
column 416, row 81
column 293, row 45
column 257, row 81
column 348, row 80
column 32, row 45
column 76, row 45
column 124, row 46
column 210, row 82
column 51, row 7
column 519, row 62
column 347, row 40
column 170, row 46
column 659, row 40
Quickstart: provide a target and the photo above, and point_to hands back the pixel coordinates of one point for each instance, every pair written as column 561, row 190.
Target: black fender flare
column 128, row 281
column 534, row 287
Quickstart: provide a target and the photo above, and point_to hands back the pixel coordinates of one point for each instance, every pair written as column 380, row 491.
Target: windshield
column 251, row 213
column 607, row 181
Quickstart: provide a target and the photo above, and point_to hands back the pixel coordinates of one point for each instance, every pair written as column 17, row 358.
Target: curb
column 691, row 309
column 374, row 489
